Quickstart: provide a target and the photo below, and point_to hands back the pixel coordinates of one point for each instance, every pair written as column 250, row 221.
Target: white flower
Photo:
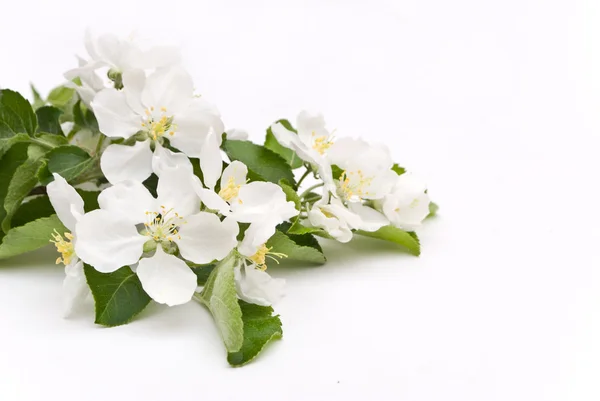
column 311, row 143
column 366, row 169
column 110, row 54
column 69, row 208
column 237, row 134
column 256, row 286
column 161, row 106
column 114, row 235
column 407, row 205
column 334, row 218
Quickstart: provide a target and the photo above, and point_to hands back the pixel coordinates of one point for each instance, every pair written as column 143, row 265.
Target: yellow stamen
column 64, row 247
column 230, row 191
column 259, row 258
column 321, row 143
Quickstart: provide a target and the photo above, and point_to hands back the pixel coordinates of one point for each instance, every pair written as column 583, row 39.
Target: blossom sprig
column 149, row 197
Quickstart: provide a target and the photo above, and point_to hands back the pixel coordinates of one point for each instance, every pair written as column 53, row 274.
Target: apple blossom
column 407, row 205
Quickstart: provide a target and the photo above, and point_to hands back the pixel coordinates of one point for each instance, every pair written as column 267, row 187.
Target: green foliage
column 10, row 162
column 84, row 117
column 22, row 182
column 33, row 235
column 48, row 120
column 264, row 163
column 408, row 240
column 297, row 247
column 118, row 296
column 287, row 154
column 69, row 161
column 61, row 96
column 398, row 170
column 31, row 210
column 433, row 209
column 220, row 297
column 260, row 327
column 16, row 115
column 290, row 193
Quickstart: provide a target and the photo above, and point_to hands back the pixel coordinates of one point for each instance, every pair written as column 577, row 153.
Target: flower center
column 64, row 247
column 230, row 191
column 260, row 257
column 156, row 124
column 164, row 225
column 321, row 143
column 353, row 183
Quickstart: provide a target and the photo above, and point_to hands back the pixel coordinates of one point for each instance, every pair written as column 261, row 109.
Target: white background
column 495, row 103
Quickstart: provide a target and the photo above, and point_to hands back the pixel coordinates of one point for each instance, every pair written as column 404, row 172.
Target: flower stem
column 303, row 194
column 303, row 177
column 43, row 144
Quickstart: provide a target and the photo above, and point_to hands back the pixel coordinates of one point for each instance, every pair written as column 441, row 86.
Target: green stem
column 303, row 177
column 99, row 144
column 303, row 194
column 42, row 143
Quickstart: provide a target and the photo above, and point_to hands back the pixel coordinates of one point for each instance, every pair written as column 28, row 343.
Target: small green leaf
column 260, row 328
column 84, row 117
column 69, row 161
column 60, row 96
column 6, row 143
column 290, row 193
column 48, row 120
column 297, row 247
column 398, row 170
column 38, row 101
column 31, row 236
column 433, row 209
column 10, row 162
column 16, row 114
column 336, row 172
column 202, row 272
column 299, row 229
column 408, row 240
column 119, row 295
column 220, row 297
column 263, row 162
column 22, row 182
column 31, row 210
column 90, row 199
column 287, row 154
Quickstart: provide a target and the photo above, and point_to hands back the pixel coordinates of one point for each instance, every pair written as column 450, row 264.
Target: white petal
column 64, row 200
column 205, row 238
column 164, row 159
column 128, row 199
column 107, row 242
column 166, row 278
column 258, row 200
column 171, row 88
column 193, row 126
column 235, row 134
column 371, row 219
column 256, row 235
column 75, row 288
column 257, row 287
column 115, row 117
column 211, row 162
column 122, row 162
column 212, row 200
column 286, row 137
column 175, row 191
column 133, row 85
column 310, row 126
column 236, row 170
column 90, row 44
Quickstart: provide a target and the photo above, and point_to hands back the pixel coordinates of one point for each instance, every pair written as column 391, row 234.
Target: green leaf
column 260, row 328
column 90, row 199
column 286, row 153
column 299, row 229
column 290, row 193
column 60, row 96
column 69, row 161
column 31, row 210
column 52, row 140
column 398, row 170
column 16, row 114
column 10, row 162
column 220, row 297
column 84, row 117
column 297, row 247
column 48, row 120
column 38, row 101
column 408, row 240
column 6, row 143
column 336, row 172
column 202, row 272
column 31, row 236
column 266, row 164
column 22, row 182
column 118, row 296
column 433, row 208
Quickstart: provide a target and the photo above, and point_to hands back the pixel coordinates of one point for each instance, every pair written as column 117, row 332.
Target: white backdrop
column 495, row 104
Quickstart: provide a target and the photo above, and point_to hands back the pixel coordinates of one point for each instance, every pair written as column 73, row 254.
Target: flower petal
column 128, row 199
column 176, row 191
column 107, row 242
column 171, row 88
column 235, row 134
column 122, row 162
column 258, row 200
column 211, row 162
column 65, row 199
column 75, row 288
column 309, row 126
column 236, row 170
column 193, row 126
column 257, row 287
column 115, row 117
column 256, row 235
column 205, row 238
column 164, row 159
column 166, row 278
column 133, row 85
column 371, row 219
column 212, row 200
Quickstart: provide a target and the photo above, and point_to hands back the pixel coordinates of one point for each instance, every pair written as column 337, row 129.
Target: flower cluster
column 179, row 208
